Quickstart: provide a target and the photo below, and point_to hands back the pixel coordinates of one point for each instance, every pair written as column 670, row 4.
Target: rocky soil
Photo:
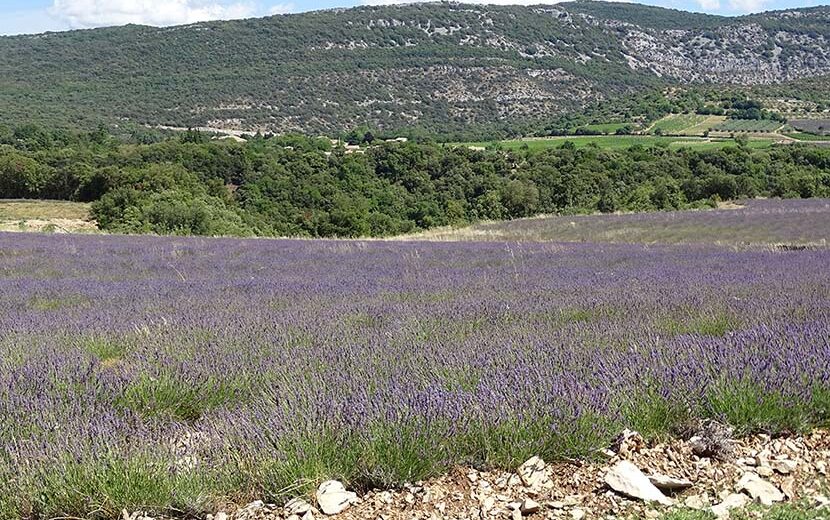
column 633, row 479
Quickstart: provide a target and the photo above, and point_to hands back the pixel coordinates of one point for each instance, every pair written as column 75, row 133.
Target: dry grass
column 46, row 216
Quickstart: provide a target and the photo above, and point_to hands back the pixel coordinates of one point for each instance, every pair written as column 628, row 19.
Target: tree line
column 301, row 186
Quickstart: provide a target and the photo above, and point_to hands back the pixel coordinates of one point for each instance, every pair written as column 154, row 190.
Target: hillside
column 440, row 67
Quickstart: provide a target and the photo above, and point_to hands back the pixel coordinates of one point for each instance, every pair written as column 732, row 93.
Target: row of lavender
column 171, row 373
column 753, row 222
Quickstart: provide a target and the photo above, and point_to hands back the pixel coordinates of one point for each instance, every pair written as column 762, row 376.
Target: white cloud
column 747, row 6
column 97, row 13
column 281, row 9
column 489, row 2
column 709, row 5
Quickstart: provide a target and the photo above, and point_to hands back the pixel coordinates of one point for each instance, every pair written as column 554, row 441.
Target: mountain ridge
column 437, row 66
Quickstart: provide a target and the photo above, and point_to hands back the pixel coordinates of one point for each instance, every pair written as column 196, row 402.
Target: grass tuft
column 169, row 397
column 749, row 408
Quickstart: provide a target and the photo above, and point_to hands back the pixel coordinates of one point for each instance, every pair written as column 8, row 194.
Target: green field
column 748, row 125
column 676, row 124
column 801, row 136
column 619, row 142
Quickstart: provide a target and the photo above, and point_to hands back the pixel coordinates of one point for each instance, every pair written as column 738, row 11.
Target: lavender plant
column 173, row 374
column 757, row 222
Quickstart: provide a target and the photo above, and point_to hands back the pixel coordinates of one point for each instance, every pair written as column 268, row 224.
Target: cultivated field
column 687, row 124
column 748, row 125
column 752, row 223
column 813, row 126
column 173, row 374
column 45, row 216
column 623, row 141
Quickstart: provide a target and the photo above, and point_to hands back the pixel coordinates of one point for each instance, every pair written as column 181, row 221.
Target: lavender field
column 750, row 224
column 176, row 374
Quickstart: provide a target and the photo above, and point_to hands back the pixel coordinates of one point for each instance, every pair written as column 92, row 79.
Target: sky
column 35, row 16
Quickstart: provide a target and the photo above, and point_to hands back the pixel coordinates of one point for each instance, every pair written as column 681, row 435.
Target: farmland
column 748, row 125
column 32, row 215
column 686, row 124
column 813, row 126
column 174, row 374
column 618, row 142
column 750, row 224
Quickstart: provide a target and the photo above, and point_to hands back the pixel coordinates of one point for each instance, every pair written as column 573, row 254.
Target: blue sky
column 32, row 16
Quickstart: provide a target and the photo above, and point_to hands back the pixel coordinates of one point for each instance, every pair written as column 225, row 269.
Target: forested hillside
column 439, row 67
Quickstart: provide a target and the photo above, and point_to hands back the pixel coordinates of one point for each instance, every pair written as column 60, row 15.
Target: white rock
column 733, row 501
column 759, row 489
column 627, row 479
column 788, row 487
column 577, row 514
column 333, row 497
column 221, row 516
column 297, row 506
column 488, row 503
column 696, row 502
column 529, row 506
column 764, row 471
column 785, row 467
column 532, row 472
column 516, row 515
column 669, row 483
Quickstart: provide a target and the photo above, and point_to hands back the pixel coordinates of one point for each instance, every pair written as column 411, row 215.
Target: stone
column 532, row 472
column 516, row 515
column 577, row 514
column 667, row 483
column 628, row 442
column 765, row 471
column 221, row 516
column 696, row 502
column 788, row 487
column 333, row 497
column 785, row 467
column 529, row 506
column 733, row 501
column 760, row 490
column 296, row 506
column 625, row 478
column 488, row 503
